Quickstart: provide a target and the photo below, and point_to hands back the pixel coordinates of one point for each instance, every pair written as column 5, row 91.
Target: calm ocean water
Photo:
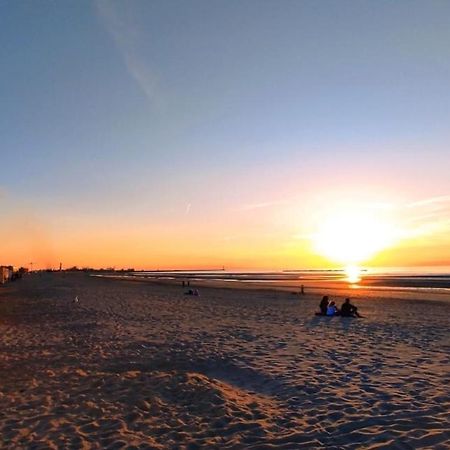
column 435, row 278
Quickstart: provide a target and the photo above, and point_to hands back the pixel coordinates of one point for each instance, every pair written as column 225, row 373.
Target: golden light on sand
column 351, row 237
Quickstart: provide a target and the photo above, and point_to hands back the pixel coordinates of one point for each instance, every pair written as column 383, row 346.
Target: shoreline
column 419, row 294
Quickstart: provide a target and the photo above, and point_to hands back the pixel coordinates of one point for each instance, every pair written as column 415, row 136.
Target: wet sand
column 140, row 365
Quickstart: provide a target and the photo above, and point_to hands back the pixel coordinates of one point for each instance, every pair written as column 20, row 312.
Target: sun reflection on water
column 353, row 275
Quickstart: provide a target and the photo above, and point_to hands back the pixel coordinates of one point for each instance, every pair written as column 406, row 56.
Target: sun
column 351, row 237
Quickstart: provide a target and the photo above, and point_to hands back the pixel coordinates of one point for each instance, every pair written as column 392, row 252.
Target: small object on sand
column 75, row 300
column 192, row 292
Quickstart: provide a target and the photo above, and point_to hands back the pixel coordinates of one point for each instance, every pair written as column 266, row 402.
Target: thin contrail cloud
column 125, row 34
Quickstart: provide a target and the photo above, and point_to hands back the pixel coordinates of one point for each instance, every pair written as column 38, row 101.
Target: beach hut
column 6, row 273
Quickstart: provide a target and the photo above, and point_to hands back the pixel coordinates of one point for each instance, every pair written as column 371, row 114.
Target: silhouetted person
column 192, row 292
column 349, row 310
column 324, row 305
column 302, row 290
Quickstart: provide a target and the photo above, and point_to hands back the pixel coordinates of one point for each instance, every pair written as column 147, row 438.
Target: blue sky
column 151, row 106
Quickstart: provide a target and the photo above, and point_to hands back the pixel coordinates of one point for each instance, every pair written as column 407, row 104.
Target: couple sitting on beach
column 328, row 308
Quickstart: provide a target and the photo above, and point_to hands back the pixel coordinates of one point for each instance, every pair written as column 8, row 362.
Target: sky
column 245, row 134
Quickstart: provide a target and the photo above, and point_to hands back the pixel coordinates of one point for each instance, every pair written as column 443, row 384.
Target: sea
column 426, row 279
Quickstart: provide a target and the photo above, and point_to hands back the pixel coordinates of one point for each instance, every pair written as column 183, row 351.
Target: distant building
column 6, row 273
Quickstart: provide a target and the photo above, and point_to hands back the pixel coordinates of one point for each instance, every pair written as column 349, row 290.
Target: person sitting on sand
column 332, row 309
column 192, row 292
column 324, row 305
column 349, row 310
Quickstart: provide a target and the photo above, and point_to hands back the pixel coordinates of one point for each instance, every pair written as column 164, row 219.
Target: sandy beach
column 139, row 365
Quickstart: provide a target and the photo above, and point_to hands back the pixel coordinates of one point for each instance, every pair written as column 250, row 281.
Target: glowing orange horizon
column 265, row 237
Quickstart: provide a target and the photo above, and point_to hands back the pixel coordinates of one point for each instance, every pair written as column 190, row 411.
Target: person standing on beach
column 324, row 305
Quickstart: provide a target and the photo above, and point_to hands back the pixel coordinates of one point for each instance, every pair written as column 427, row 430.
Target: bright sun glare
column 353, row 274
column 352, row 237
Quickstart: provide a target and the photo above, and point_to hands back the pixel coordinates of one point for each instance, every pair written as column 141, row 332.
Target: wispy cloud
column 125, row 34
column 426, row 217
column 261, row 205
column 439, row 200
